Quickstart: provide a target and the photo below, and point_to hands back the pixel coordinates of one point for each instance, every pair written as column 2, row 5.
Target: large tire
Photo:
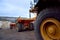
column 47, row 13
column 31, row 26
column 19, row 27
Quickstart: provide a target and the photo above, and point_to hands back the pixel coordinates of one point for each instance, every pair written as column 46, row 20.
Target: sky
column 15, row 8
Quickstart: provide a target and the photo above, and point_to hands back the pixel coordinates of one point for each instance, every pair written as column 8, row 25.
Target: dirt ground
column 8, row 34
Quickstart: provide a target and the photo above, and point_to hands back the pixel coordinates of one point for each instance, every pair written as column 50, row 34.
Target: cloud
column 14, row 8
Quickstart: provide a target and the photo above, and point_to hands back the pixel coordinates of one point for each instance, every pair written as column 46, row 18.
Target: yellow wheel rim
column 50, row 29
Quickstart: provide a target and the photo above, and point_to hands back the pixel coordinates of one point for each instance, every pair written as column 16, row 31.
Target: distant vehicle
column 24, row 23
column 47, row 24
column 12, row 25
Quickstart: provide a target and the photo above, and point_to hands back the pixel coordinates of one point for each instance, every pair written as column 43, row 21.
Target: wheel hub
column 51, row 30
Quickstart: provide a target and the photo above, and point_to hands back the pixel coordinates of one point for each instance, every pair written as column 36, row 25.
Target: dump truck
column 24, row 24
column 12, row 25
column 47, row 23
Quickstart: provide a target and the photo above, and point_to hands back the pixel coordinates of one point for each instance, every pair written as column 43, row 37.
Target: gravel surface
column 8, row 34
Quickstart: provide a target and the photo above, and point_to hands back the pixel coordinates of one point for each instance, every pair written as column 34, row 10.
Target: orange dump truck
column 12, row 25
column 24, row 23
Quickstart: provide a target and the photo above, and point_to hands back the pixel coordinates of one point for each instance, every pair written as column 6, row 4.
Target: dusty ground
column 8, row 34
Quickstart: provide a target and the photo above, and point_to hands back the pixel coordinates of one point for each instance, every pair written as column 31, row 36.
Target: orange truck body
column 26, row 22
